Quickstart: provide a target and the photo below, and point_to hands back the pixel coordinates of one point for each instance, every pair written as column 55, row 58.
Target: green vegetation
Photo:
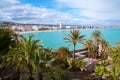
column 74, row 37
column 115, row 63
column 90, row 47
column 97, row 46
column 27, row 59
column 6, row 40
column 101, row 71
column 80, row 65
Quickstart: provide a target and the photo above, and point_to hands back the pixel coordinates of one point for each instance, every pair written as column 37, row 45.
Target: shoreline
column 24, row 32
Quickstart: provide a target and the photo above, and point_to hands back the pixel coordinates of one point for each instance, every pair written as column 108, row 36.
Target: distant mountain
column 8, row 24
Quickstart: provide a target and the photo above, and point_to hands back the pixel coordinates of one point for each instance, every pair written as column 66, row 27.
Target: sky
column 75, row 12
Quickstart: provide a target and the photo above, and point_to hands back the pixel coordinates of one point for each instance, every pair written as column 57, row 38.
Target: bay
column 55, row 38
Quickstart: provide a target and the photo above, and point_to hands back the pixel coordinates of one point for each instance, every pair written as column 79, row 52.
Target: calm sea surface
column 55, row 39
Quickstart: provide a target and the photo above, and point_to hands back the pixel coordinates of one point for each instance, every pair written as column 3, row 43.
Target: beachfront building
column 61, row 25
column 68, row 27
column 35, row 28
column 54, row 28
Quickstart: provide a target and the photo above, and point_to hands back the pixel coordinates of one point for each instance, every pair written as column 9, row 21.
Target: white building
column 35, row 28
column 68, row 27
column 61, row 25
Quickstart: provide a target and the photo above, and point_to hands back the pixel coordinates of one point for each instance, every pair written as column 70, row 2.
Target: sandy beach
column 24, row 32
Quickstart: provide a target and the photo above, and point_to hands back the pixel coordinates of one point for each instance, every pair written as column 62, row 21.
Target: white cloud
column 96, row 9
column 8, row 3
column 80, row 12
column 26, row 13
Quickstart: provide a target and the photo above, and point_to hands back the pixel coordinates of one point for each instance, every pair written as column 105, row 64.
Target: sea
column 54, row 39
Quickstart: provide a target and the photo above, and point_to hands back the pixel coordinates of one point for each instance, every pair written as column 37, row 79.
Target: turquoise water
column 55, row 39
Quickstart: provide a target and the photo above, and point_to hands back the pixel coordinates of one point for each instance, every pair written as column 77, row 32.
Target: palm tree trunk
column 74, row 62
column 74, row 53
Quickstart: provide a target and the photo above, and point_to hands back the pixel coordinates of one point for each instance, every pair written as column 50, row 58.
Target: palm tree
column 44, row 66
column 42, row 62
column 96, row 36
column 74, row 37
column 13, row 60
column 114, row 73
column 29, row 47
column 90, row 47
column 104, row 44
column 16, row 59
column 114, row 69
column 5, row 67
column 105, row 47
column 6, row 41
column 115, row 53
column 24, row 54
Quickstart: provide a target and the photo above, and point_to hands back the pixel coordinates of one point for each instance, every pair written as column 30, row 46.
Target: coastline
column 24, row 32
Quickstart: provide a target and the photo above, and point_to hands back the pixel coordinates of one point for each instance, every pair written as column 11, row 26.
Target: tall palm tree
column 74, row 37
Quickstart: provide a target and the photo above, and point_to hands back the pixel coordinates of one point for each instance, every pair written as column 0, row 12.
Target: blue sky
column 77, row 12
